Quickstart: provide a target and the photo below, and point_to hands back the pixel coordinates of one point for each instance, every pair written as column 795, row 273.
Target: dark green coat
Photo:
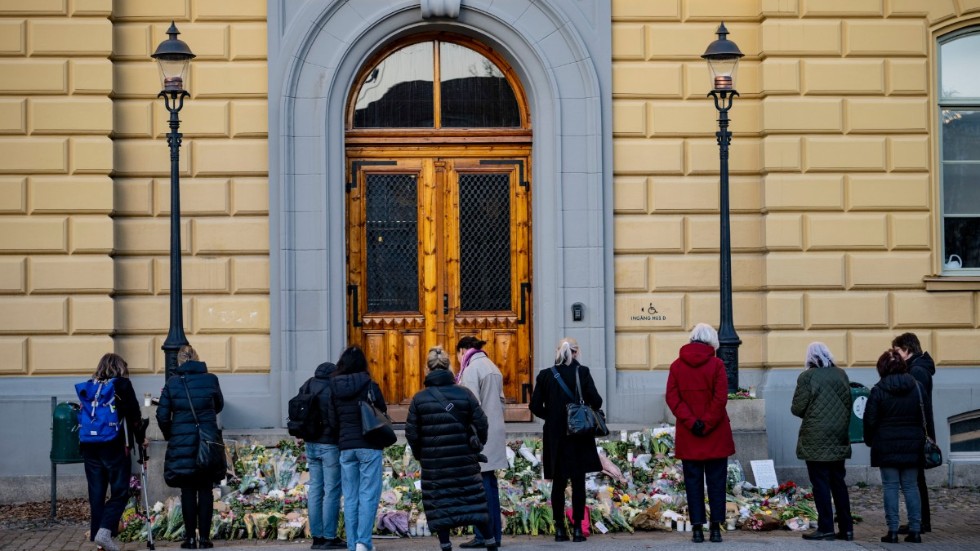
column 823, row 400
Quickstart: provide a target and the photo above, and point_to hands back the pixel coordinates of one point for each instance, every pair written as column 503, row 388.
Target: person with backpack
column 360, row 458
column 307, row 421
column 109, row 424
column 189, row 405
column 440, row 427
column 479, row 374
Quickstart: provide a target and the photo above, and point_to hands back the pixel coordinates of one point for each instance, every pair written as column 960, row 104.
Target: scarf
column 466, row 362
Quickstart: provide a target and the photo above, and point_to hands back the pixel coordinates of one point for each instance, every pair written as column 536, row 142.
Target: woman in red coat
column 697, row 392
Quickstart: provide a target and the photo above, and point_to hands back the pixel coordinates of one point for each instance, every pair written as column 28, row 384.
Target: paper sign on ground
column 764, row 472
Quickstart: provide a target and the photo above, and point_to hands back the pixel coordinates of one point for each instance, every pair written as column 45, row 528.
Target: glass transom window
column 959, row 105
column 436, row 84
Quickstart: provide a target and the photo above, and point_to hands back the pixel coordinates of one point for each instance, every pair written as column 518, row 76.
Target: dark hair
column 466, row 343
column 351, row 360
column 907, row 342
column 891, row 363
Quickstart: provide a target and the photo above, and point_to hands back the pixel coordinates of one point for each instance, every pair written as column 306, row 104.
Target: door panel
column 438, row 248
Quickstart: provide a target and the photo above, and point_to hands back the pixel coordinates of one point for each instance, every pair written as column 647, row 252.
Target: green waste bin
column 859, row 398
column 64, row 434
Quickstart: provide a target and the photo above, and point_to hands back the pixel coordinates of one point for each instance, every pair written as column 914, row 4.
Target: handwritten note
column 764, row 471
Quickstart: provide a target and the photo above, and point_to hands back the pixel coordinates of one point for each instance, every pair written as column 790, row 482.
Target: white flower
column 157, row 507
column 277, row 494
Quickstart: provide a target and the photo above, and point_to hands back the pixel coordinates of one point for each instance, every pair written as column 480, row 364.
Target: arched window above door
column 436, row 84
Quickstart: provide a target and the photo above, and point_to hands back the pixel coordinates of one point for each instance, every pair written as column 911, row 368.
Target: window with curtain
column 436, row 84
column 959, row 107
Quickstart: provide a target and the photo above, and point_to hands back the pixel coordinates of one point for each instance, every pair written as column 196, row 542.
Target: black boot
column 890, row 537
column 561, row 534
column 577, row 535
column 491, row 545
column 714, row 532
column 913, row 537
column 189, row 543
column 697, row 534
column 205, row 544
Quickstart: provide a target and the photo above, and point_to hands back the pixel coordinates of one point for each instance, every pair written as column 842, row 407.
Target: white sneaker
column 104, row 539
column 361, row 547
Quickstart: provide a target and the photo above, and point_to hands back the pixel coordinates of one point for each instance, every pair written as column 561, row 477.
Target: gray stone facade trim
column 561, row 51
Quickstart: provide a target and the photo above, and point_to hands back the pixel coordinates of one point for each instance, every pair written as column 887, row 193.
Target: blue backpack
column 98, row 420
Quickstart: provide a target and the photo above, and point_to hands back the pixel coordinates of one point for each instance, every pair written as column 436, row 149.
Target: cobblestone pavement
column 955, row 528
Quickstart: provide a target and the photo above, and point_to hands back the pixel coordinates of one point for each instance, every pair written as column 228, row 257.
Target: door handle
column 355, row 304
column 445, row 303
column 525, row 289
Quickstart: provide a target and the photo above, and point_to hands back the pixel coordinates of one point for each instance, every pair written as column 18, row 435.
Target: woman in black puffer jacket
column 177, row 424
column 894, row 429
column 452, row 485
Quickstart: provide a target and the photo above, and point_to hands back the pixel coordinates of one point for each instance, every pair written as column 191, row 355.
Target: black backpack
column 305, row 418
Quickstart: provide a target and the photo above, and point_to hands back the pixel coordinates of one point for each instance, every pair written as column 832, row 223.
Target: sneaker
column 104, row 539
column 334, row 543
column 361, row 547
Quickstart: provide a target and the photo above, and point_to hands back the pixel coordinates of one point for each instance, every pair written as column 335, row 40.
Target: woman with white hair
column 697, row 392
column 823, row 400
column 567, row 458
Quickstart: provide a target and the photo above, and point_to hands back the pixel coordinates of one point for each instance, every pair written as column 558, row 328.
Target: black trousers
column 107, row 467
column 924, row 499
column 197, row 504
column 578, row 499
column 696, row 474
column 827, row 478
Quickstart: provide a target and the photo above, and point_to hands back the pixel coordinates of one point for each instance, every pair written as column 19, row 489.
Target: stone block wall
column 833, row 180
column 85, row 185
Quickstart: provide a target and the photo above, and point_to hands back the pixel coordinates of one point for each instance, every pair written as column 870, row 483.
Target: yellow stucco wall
column 85, row 188
column 833, row 181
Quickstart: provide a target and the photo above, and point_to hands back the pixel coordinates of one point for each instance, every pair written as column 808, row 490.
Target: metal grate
column 392, row 242
column 484, row 242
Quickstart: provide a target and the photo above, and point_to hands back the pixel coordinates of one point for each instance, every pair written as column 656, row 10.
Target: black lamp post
column 174, row 56
column 722, row 56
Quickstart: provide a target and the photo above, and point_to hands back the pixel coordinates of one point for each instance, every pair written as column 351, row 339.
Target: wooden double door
column 438, row 248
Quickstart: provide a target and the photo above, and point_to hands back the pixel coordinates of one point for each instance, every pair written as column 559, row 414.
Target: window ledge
column 952, row 283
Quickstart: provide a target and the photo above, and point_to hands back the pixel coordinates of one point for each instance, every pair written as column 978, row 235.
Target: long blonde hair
column 111, row 366
column 565, row 353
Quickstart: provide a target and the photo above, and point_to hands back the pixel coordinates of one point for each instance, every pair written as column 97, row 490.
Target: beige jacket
column 483, row 378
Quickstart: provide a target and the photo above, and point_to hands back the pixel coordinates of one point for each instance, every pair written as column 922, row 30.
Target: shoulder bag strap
column 564, row 387
column 578, row 386
column 446, row 404
column 189, row 401
column 922, row 408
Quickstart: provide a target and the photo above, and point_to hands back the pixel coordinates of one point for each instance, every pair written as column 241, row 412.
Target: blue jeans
column 360, row 477
column 493, row 508
column 891, row 479
column 323, row 494
column 107, row 466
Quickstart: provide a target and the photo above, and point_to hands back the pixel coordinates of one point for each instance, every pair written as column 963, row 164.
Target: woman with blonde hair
column 190, row 398
column 697, row 393
column 567, row 458
column 442, row 420
column 107, row 463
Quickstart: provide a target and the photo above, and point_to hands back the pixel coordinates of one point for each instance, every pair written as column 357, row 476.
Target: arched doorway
column 438, row 213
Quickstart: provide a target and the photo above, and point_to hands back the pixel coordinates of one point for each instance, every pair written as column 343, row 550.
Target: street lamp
column 722, row 56
column 174, row 56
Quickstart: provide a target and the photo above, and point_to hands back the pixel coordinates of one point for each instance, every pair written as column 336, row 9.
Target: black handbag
column 582, row 419
column 932, row 454
column 210, row 443
column 376, row 426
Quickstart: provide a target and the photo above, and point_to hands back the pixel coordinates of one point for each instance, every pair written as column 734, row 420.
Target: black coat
column 319, row 384
column 893, row 422
column 177, row 423
column 452, row 487
column 923, row 368
column 564, row 455
column 344, row 415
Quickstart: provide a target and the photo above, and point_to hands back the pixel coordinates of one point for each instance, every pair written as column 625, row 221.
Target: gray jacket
column 483, row 378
